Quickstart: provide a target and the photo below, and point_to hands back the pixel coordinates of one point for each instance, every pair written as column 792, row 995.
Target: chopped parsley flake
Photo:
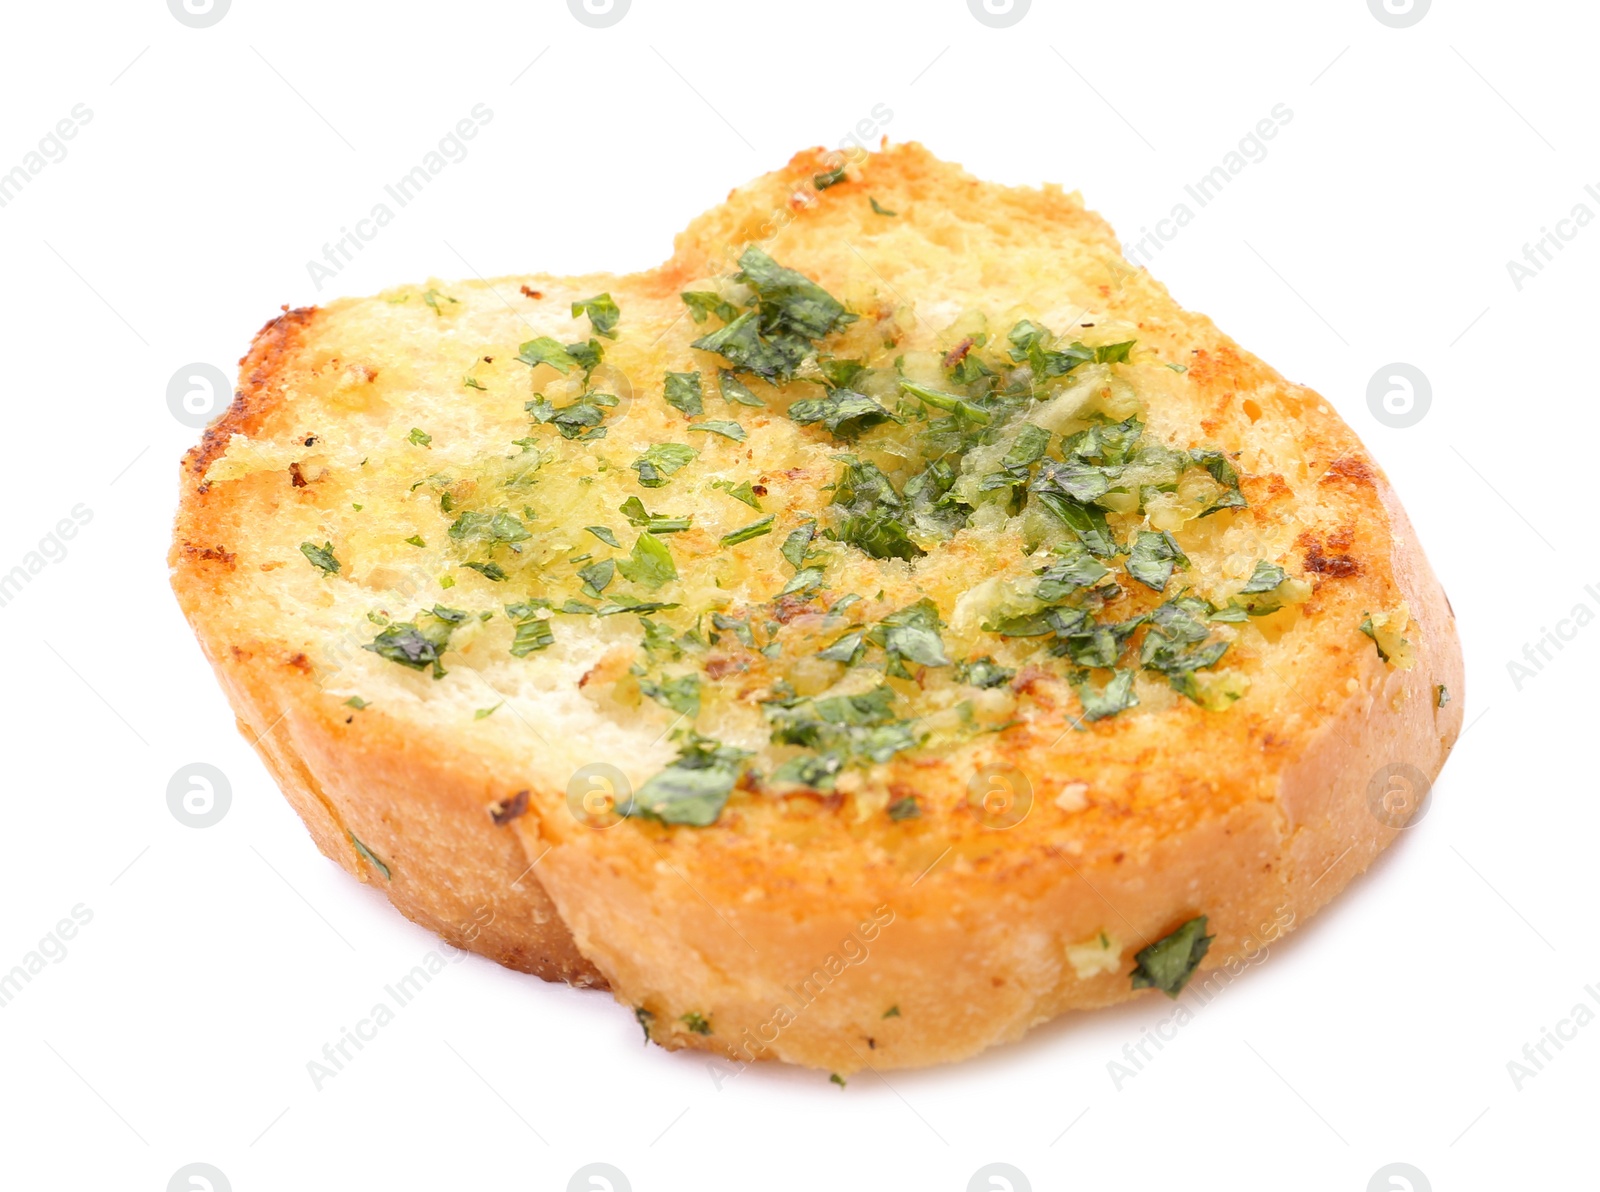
column 633, row 509
column 880, row 209
column 694, row 789
column 702, row 303
column 718, row 426
column 839, row 729
column 321, row 557
column 545, row 350
column 911, row 634
column 984, row 672
column 828, row 178
column 489, row 571
column 419, row 643
column 681, row 694
column 431, row 297
column 603, row 314
column 532, row 632
column 755, row 529
column 873, row 516
column 367, row 854
column 1168, row 963
column 597, row 576
column 905, row 808
column 736, row 392
column 420, row 437
column 1116, row 696
column 657, row 465
column 843, row 411
column 791, row 313
column 650, row 565
column 491, row 528
column 1153, row 557
column 682, row 392
column 797, row 546
column 742, row 493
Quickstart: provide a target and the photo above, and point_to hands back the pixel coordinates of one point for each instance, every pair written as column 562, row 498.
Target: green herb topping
column 1168, row 963
column 321, row 557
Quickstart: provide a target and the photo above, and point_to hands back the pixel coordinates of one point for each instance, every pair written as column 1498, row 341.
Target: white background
column 218, row 962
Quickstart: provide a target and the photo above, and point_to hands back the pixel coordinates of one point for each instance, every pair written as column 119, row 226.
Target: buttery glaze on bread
column 975, row 636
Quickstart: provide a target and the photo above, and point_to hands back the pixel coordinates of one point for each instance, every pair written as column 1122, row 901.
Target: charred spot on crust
column 787, row 608
column 301, row 663
column 719, row 666
column 1348, row 467
column 956, row 354
column 250, row 404
column 503, row 811
column 295, row 477
column 210, row 554
column 527, row 293
column 1334, row 566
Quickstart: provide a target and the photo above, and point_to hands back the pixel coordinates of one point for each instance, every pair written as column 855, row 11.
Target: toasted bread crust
column 455, row 871
column 805, row 936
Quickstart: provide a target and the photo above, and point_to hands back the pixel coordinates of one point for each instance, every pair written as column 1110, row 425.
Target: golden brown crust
column 803, row 934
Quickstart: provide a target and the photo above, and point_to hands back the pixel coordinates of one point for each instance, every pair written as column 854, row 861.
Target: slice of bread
column 925, row 628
